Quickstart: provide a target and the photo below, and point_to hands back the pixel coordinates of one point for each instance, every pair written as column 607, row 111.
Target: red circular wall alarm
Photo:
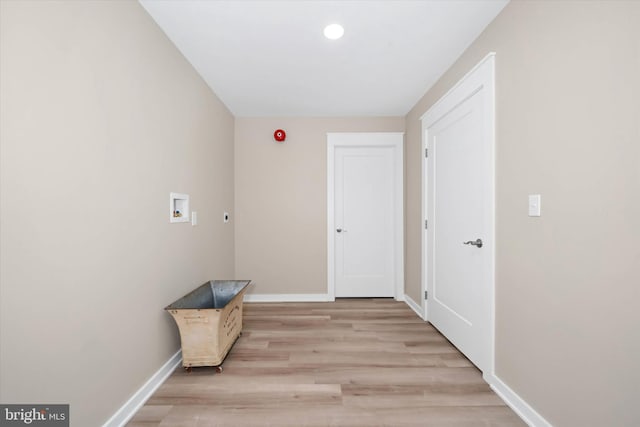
column 279, row 135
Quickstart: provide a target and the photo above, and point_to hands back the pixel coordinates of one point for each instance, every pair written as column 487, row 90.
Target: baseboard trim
column 287, row 298
column 518, row 404
column 129, row 409
column 414, row 306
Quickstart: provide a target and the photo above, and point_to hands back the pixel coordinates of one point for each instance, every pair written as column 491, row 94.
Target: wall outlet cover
column 534, row 204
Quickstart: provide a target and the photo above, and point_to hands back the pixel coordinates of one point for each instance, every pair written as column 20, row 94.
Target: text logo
column 34, row 415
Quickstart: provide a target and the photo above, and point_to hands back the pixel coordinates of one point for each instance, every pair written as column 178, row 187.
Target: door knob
column 340, row 230
column 478, row 243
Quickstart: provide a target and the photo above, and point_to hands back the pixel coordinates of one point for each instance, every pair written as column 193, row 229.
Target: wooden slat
column 353, row 362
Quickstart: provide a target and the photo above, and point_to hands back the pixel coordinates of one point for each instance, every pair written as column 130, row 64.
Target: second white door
column 364, row 216
column 459, row 135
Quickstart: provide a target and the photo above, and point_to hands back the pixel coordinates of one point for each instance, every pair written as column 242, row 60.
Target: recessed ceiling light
column 333, row 31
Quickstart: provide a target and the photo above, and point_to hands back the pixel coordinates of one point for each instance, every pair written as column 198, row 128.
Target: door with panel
column 364, row 217
column 460, row 237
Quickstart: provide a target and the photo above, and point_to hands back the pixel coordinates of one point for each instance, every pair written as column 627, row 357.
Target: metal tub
column 209, row 319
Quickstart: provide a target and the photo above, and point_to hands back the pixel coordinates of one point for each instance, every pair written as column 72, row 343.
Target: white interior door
column 364, row 222
column 460, row 236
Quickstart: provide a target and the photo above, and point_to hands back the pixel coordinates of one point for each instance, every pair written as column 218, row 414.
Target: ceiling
column 270, row 58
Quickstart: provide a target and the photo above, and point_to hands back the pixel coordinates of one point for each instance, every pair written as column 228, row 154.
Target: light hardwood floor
column 353, row 362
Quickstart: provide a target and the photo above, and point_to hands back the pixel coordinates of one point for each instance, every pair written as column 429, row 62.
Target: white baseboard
column 518, row 404
column 414, row 306
column 129, row 409
column 287, row 298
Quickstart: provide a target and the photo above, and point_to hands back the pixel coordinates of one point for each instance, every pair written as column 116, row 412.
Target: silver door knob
column 478, row 243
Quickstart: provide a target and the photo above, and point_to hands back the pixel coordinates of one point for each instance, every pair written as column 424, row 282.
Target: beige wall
column 568, row 127
column 101, row 119
column 281, row 200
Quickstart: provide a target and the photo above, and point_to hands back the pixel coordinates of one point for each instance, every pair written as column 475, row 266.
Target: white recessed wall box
column 179, row 207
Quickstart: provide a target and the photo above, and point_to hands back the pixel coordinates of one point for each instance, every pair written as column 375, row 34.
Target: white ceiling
column 270, row 58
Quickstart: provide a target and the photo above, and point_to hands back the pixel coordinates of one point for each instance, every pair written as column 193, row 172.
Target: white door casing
column 458, row 186
column 365, row 215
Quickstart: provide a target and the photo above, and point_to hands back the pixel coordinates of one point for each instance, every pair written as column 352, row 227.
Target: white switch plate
column 194, row 218
column 225, row 217
column 534, row 205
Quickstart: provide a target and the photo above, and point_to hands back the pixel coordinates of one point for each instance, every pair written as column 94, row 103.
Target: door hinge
column 426, row 152
column 425, row 224
column 425, row 294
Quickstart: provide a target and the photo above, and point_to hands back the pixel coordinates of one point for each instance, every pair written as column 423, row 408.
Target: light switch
column 194, row 218
column 534, row 205
column 225, row 217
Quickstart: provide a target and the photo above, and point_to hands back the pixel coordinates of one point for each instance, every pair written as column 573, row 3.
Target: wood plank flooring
column 353, row 362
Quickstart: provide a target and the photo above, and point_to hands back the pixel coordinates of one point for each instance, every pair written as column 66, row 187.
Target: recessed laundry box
column 209, row 319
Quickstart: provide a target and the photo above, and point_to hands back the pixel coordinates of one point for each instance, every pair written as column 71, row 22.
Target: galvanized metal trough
column 209, row 319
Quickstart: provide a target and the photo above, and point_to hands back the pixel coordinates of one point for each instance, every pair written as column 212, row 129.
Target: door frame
column 395, row 140
column 480, row 77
